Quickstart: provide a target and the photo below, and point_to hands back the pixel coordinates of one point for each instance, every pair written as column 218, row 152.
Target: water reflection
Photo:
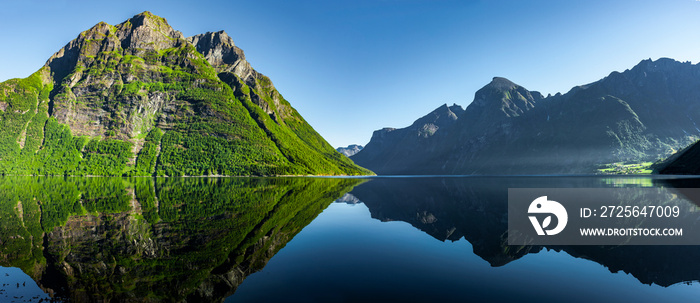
column 476, row 209
column 197, row 239
column 143, row 239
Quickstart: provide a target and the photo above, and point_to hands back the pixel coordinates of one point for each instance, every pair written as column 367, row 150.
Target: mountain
column 684, row 162
column 640, row 115
column 139, row 98
column 391, row 150
column 349, row 150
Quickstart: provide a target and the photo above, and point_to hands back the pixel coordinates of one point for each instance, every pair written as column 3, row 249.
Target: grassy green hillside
column 139, row 99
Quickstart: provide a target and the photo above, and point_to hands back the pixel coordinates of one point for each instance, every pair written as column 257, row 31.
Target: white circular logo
column 543, row 206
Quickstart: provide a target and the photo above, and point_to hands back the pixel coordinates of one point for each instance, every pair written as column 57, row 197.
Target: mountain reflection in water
column 438, row 239
column 198, row 239
column 476, row 209
column 143, row 239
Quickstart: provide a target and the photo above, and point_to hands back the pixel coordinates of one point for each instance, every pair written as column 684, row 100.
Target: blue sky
column 352, row 67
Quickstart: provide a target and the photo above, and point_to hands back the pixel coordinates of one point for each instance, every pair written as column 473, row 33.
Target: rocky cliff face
column 639, row 115
column 139, row 98
column 90, row 74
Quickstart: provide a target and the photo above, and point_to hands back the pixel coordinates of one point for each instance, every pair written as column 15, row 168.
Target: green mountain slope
column 139, row 98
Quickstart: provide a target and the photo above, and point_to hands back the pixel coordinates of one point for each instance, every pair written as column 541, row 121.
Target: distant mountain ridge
column 642, row 114
column 139, row 98
column 350, row 149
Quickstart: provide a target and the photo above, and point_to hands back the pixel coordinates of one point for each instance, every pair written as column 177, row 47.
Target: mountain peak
column 147, row 14
column 148, row 31
column 502, row 97
column 456, row 109
column 501, row 83
column 441, row 113
column 441, row 117
column 141, row 34
column 220, row 51
column 659, row 65
column 147, row 19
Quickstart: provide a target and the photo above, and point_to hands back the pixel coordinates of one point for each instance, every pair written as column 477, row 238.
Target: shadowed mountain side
column 684, row 162
column 476, row 209
column 640, row 115
column 392, row 150
column 153, row 240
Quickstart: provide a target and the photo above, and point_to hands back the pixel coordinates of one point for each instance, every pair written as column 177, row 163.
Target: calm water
column 312, row 240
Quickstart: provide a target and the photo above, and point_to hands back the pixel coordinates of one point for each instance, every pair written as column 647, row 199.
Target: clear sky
column 352, row 67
